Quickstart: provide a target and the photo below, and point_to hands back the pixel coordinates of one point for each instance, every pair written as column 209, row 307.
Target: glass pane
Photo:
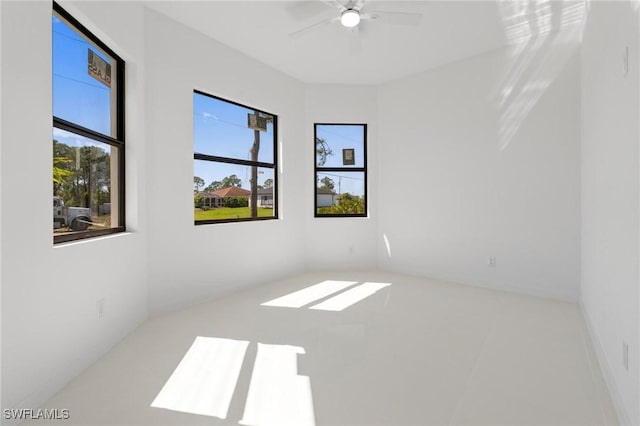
column 83, row 80
column 222, row 129
column 223, row 191
column 339, row 145
column 340, row 193
column 84, row 184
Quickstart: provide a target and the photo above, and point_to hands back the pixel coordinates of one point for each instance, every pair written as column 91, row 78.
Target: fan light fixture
column 350, row 18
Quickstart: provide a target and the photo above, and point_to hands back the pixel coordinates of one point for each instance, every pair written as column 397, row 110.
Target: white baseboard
column 621, row 411
column 562, row 294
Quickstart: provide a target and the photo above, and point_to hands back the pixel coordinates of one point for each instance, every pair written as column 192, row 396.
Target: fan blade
column 396, row 18
column 336, row 4
column 358, row 5
column 304, row 30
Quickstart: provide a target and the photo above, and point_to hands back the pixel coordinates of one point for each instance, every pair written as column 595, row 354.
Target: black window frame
column 320, row 169
column 118, row 141
column 241, row 162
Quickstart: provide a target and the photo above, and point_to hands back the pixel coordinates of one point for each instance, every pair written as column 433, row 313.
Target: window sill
column 86, row 237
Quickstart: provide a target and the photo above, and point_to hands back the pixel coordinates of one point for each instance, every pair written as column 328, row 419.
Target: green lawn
column 230, row 213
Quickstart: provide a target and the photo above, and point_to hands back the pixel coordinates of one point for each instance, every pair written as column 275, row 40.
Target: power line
column 73, row 38
column 88, row 44
column 80, row 81
column 242, row 126
column 340, row 135
column 341, row 176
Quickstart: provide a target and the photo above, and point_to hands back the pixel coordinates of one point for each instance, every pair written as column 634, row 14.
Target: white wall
column 479, row 159
column 610, row 196
column 1, row 400
column 188, row 262
column 50, row 329
column 340, row 243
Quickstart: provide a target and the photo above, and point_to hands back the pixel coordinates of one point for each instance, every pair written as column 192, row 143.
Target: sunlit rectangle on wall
column 350, row 297
column 310, row 294
column 204, row 381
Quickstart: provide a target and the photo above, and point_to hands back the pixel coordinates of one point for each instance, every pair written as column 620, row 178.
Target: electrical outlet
column 491, row 261
column 625, row 355
column 100, row 308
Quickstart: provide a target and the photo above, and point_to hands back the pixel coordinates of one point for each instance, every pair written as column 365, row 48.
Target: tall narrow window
column 340, row 170
column 88, row 133
column 235, row 161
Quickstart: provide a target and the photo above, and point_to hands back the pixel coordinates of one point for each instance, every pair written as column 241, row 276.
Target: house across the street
column 326, row 197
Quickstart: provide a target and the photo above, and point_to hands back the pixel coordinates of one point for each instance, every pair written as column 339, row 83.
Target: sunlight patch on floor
column 204, row 381
column 341, row 301
column 277, row 394
column 350, row 297
column 308, row 295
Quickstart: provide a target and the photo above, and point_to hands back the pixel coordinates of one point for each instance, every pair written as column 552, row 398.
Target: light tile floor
column 417, row 352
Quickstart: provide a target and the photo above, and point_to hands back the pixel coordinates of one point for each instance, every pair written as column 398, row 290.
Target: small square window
column 340, row 170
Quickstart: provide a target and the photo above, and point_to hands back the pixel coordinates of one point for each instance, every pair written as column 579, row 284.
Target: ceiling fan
column 351, row 14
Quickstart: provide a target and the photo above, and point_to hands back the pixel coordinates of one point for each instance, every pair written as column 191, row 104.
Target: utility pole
column 258, row 122
column 254, row 172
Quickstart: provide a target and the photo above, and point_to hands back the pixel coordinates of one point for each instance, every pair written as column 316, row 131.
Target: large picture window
column 340, row 170
column 235, row 161
column 88, row 133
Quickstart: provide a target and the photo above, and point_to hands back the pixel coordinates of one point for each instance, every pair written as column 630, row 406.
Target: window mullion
column 83, row 131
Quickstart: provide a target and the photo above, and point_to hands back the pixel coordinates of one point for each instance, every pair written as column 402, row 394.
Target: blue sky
column 220, row 128
column 78, row 97
column 340, row 137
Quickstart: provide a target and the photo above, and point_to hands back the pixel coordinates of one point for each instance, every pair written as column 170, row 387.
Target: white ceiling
column 378, row 52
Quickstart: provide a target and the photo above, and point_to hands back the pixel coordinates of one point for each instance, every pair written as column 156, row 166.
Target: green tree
column 323, row 151
column 62, row 166
column 91, row 175
column 349, row 204
column 214, row 186
column 327, row 183
column 198, row 183
column 81, row 175
column 234, row 202
column 60, row 172
column 232, row 180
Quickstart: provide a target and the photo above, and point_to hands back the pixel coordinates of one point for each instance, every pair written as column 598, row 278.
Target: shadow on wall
column 542, row 35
